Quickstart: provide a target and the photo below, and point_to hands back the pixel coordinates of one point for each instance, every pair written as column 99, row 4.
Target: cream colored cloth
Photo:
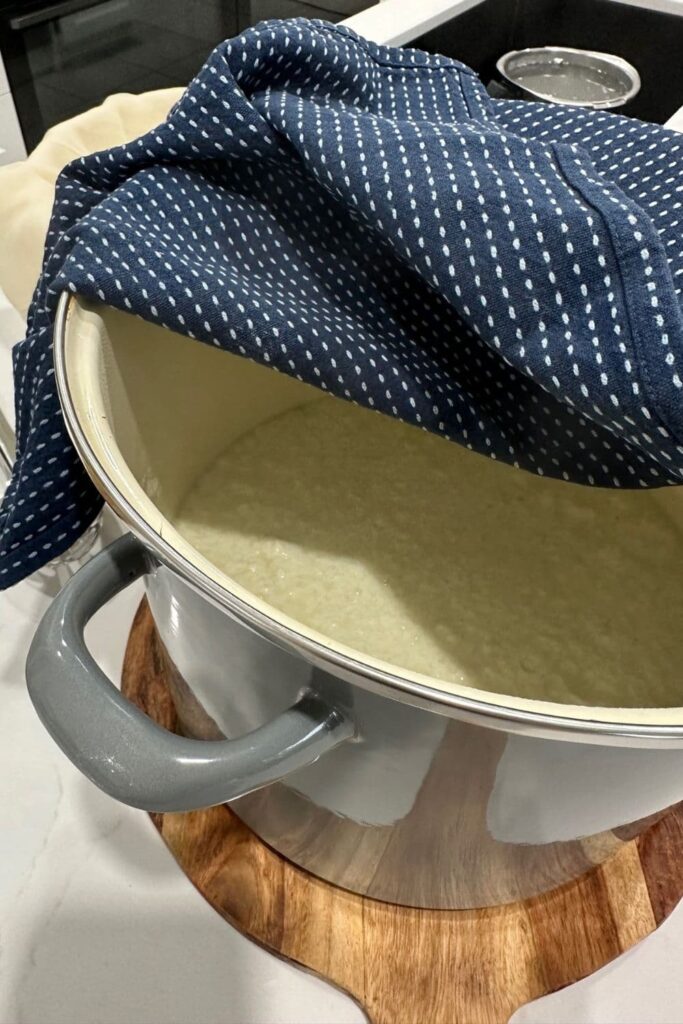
column 27, row 187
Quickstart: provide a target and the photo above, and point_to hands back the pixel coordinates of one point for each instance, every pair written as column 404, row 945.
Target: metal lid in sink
column 580, row 78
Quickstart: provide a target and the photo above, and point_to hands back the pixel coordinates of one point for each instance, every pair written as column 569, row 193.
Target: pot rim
column 562, row 725
column 598, row 56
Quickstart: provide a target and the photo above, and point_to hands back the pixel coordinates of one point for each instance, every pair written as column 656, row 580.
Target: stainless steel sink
column 649, row 39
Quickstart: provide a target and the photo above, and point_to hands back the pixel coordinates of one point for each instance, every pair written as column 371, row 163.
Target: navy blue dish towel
column 367, row 219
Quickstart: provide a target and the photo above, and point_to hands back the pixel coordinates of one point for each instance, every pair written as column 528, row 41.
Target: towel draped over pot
column 369, row 220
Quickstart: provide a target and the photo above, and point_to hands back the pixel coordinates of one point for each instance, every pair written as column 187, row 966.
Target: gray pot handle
column 123, row 751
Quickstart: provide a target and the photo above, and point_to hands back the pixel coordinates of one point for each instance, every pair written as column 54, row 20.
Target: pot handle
column 123, row 751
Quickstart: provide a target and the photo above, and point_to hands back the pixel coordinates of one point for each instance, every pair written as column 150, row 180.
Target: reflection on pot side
column 424, row 811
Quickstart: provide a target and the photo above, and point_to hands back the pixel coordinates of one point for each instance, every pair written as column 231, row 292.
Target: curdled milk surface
column 414, row 550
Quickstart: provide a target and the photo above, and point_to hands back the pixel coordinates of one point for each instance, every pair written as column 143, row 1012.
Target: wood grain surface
column 402, row 965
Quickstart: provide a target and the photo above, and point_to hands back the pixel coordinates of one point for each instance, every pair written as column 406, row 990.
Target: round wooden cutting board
column 402, row 965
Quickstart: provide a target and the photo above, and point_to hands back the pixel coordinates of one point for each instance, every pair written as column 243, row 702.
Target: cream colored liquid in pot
column 414, row 550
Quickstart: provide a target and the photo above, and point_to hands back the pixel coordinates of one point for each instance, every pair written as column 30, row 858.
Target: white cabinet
column 4, row 84
column 11, row 141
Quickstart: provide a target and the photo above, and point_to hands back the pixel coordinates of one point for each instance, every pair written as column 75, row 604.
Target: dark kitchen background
column 63, row 57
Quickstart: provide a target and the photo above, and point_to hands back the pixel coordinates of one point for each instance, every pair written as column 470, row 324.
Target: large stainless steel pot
column 395, row 785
